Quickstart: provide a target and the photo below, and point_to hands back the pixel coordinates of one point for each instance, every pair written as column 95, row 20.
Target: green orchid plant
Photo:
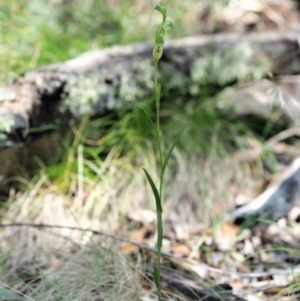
column 163, row 160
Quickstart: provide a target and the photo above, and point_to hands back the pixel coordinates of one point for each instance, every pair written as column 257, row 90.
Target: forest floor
column 84, row 226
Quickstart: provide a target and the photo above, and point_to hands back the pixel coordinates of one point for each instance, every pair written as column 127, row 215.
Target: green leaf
column 155, row 191
column 148, row 116
column 151, row 121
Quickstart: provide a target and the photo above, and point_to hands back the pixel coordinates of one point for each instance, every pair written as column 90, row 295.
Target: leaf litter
column 261, row 260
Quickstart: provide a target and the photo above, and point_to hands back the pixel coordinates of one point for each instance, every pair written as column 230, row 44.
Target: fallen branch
column 48, row 98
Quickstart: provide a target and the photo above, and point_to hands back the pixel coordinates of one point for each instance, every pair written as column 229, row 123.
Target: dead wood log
column 48, row 98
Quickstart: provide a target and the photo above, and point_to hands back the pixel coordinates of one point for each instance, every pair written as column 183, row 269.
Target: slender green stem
column 159, row 142
column 157, row 93
column 158, row 129
column 159, row 245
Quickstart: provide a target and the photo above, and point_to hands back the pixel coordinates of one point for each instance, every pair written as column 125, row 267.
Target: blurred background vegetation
column 34, row 33
column 40, row 32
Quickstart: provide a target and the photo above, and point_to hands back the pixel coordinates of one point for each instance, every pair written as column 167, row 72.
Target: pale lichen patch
column 232, row 64
column 6, row 123
column 6, row 95
column 81, row 94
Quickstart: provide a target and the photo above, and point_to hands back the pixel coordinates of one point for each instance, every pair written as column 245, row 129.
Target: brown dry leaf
column 279, row 233
column 194, row 266
column 218, row 210
column 274, row 290
column 229, row 230
column 128, row 249
column 294, row 214
column 226, row 236
column 181, row 250
column 139, row 234
column 55, row 262
column 143, row 216
column 136, row 236
column 248, row 247
column 180, row 229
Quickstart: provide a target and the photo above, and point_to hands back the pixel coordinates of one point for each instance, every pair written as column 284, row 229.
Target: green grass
column 42, row 32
